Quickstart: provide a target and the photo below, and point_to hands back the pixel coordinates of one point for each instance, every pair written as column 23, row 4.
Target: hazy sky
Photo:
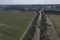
column 29, row 1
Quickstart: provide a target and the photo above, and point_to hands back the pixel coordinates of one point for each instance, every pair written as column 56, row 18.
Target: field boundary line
column 53, row 29
column 24, row 33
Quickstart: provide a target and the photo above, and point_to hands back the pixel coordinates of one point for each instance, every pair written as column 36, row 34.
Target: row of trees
column 52, row 12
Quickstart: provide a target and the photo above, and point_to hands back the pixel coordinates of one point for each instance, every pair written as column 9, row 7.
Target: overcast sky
column 29, row 1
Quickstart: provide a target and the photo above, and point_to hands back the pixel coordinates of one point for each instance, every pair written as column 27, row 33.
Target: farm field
column 14, row 23
column 56, row 21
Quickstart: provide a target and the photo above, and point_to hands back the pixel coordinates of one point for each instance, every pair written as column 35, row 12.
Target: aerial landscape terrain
column 30, row 22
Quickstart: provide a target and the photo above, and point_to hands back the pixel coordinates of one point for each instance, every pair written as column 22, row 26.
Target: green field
column 56, row 20
column 14, row 23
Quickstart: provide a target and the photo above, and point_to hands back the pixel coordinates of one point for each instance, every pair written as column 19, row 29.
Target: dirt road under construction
column 45, row 29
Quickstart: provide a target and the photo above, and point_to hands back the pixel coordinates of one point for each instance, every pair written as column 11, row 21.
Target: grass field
column 56, row 20
column 14, row 23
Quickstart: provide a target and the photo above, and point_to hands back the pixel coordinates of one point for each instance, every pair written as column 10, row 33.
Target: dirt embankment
column 30, row 32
